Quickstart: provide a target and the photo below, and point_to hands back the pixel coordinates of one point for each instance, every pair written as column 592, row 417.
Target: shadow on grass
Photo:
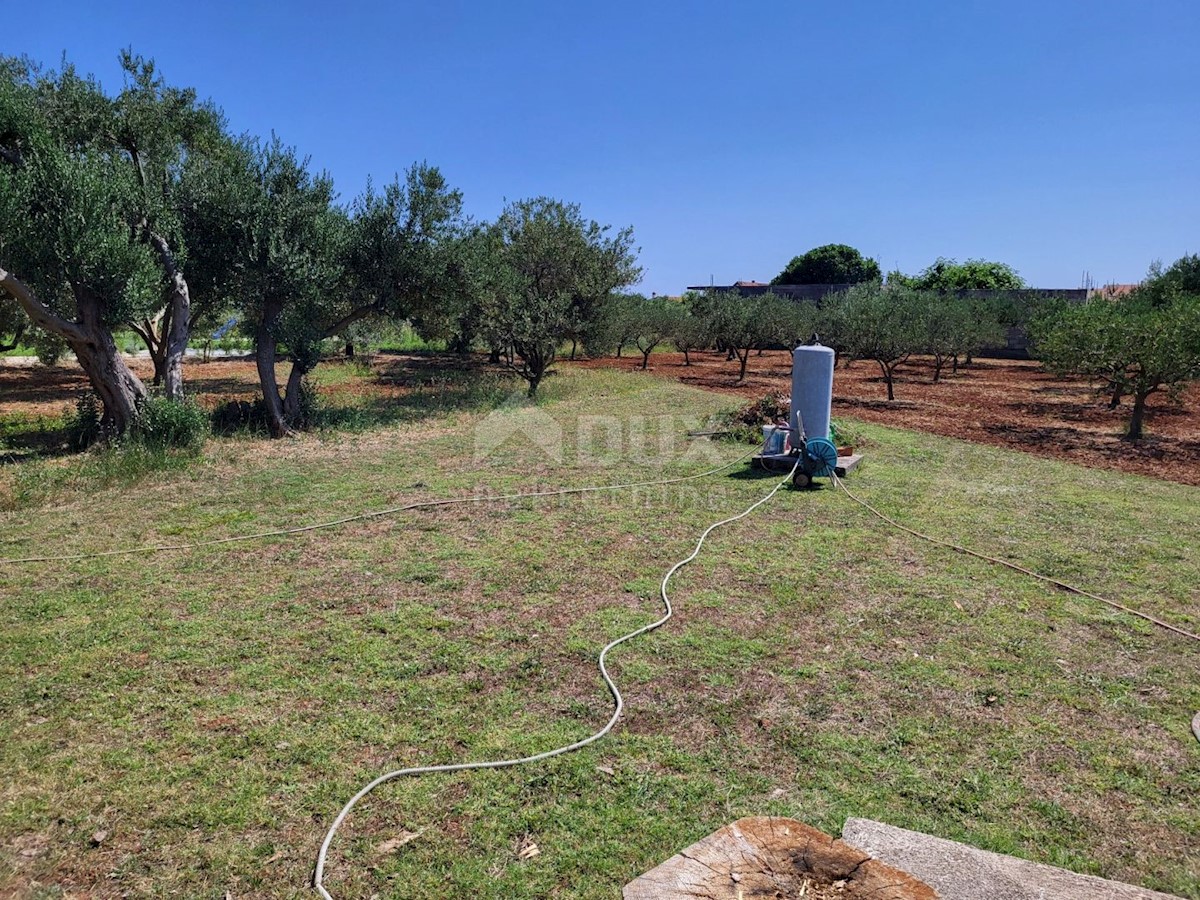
column 414, row 394
column 24, row 438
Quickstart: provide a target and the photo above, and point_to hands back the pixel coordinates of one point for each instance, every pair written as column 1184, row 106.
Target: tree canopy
column 974, row 274
column 829, row 264
column 870, row 321
column 1137, row 345
column 548, row 270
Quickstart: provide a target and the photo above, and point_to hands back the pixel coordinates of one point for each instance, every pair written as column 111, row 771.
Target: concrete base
column 768, row 857
column 781, row 464
column 959, row 872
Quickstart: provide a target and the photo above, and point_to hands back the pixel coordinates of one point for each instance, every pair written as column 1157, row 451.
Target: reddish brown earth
column 1008, row 403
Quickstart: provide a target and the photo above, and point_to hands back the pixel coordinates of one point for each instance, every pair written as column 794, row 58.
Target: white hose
column 618, row 701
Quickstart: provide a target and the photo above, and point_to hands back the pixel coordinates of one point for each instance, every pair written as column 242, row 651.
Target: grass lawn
column 188, row 724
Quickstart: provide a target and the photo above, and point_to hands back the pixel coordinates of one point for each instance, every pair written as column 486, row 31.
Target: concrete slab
column 959, row 872
column 783, row 464
column 773, row 857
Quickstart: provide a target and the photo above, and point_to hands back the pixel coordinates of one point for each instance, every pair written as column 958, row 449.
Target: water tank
column 812, row 389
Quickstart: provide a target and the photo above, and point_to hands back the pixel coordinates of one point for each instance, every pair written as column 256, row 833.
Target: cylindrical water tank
column 812, row 389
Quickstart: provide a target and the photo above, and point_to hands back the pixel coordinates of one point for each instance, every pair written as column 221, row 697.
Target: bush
column 172, row 424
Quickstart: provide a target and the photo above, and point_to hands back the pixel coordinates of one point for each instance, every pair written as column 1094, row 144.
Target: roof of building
column 1117, row 290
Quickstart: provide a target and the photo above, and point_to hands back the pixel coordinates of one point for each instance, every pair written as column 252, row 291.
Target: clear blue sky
column 1055, row 136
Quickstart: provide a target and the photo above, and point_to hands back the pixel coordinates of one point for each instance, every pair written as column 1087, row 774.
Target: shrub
column 172, row 424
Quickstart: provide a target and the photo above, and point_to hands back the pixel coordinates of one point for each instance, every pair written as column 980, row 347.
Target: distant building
column 1112, row 291
column 811, row 292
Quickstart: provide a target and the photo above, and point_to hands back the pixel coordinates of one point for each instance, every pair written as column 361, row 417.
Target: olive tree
column 84, row 174
column 691, row 332
column 269, row 240
column 71, row 255
column 737, row 324
column 952, row 325
column 655, row 321
column 613, row 326
column 782, row 321
column 548, row 266
column 873, row 322
column 158, row 130
column 1128, row 346
column 409, row 255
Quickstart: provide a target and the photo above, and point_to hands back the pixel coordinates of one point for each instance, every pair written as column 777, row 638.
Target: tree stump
column 773, row 858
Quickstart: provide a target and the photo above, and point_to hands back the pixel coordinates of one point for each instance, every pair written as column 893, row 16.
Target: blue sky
column 1056, row 136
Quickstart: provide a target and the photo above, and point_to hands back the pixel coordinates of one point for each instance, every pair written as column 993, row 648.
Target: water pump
column 806, row 436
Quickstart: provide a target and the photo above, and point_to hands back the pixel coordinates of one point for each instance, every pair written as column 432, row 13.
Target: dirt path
column 1011, row 404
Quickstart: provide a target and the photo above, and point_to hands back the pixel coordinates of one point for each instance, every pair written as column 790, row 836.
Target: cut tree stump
column 763, row 857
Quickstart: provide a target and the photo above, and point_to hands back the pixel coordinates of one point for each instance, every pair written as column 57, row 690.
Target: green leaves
column 84, row 175
column 829, row 264
column 974, row 274
column 549, row 268
column 1129, row 345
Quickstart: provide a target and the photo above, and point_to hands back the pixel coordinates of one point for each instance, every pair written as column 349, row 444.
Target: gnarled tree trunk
column 118, row 388
column 177, row 331
column 121, row 392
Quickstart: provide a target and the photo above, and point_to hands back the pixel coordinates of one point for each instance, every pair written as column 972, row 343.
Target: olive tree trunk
column 120, row 391
column 295, row 391
column 264, row 360
column 177, row 330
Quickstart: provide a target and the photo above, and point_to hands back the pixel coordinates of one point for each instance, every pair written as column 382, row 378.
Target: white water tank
column 812, row 389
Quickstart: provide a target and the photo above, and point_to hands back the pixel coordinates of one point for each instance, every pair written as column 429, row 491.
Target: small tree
column 951, row 325
column 613, row 325
column 829, row 264
column 691, row 330
column 547, row 263
column 1129, row 347
column 783, row 322
column 873, row 322
column 656, row 320
column 739, row 324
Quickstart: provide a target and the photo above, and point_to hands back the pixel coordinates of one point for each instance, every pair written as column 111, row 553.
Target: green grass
column 211, row 711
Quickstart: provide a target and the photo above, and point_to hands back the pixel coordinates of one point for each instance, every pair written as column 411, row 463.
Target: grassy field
column 187, row 724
